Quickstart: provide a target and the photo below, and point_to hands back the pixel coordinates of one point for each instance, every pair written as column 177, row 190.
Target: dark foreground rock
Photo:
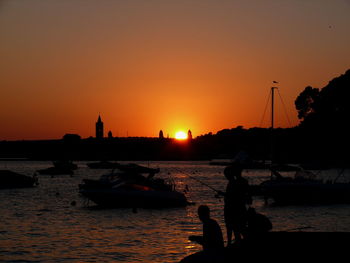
column 282, row 247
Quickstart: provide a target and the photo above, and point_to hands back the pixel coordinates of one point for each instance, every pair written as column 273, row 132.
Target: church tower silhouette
column 99, row 128
column 189, row 135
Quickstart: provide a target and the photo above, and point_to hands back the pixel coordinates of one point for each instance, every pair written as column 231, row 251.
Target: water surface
column 42, row 225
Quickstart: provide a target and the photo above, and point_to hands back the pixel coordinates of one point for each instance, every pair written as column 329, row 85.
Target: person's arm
column 198, row 239
column 220, row 193
column 229, row 235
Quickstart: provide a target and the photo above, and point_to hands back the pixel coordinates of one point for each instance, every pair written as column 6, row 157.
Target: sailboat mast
column 272, row 107
column 272, row 123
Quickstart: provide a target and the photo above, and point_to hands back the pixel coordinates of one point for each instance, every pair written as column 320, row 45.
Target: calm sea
column 42, row 225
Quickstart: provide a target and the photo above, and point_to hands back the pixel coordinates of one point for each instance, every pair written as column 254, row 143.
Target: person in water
column 212, row 238
column 236, row 197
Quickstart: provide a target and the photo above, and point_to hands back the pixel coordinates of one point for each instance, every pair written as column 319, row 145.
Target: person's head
column 233, row 171
column 203, row 212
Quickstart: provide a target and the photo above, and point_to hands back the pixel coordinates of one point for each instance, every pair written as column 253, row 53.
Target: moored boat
column 59, row 168
column 65, row 164
column 10, row 179
column 129, row 187
column 304, row 188
column 55, row 171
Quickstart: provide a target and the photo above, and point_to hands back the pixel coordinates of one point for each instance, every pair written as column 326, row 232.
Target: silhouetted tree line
column 321, row 138
column 324, row 115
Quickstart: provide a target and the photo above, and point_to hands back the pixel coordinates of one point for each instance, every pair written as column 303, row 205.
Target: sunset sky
column 146, row 65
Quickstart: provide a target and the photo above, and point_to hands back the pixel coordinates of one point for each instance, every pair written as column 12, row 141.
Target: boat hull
column 55, row 171
column 9, row 179
column 306, row 193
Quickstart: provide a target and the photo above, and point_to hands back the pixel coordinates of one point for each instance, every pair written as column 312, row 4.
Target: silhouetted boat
column 128, row 187
column 258, row 165
column 65, row 164
column 103, row 165
column 304, row 188
column 250, row 165
column 285, row 167
column 59, row 168
column 244, row 159
column 55, row 171
column 10, row 179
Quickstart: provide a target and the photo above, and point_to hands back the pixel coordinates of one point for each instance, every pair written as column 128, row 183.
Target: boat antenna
column 199, row 181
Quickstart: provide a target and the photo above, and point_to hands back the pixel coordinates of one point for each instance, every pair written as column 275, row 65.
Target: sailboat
column 304, row 188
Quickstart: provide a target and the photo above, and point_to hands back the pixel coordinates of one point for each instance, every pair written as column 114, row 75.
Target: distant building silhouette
column 189, row 135
column 110, row 135
column 99, row 128
column 161, row 135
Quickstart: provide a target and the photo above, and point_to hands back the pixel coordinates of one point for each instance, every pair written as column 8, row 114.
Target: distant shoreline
column 14, row 159
column 291, row 146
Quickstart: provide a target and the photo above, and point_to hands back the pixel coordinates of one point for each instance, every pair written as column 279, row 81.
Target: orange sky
column 203, row 65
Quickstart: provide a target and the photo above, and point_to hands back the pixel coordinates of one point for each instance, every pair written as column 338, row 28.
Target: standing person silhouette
column 236, row 197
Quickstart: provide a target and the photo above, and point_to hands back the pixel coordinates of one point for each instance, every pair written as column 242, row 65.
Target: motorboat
column 134, row 186
column 304, row 188
column 55, row 171
column 59, row 168
column 10, row 179
column 65, row 164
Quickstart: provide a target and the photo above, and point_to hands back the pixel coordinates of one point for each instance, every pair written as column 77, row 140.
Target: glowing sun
column 181, row 135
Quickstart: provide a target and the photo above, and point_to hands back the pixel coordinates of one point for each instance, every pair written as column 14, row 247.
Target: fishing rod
column 199, row 181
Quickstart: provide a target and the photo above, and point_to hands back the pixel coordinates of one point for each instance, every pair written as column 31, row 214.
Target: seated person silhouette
column 212, row 239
